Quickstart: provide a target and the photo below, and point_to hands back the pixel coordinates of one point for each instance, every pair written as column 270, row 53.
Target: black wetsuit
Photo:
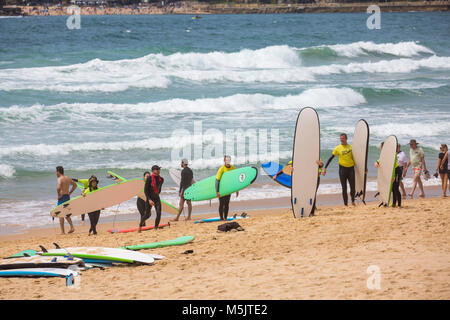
column 143, row 211
column 150, row 194
column 186, row 179
column 93, row 216
column 396, row 195
column 346, row 174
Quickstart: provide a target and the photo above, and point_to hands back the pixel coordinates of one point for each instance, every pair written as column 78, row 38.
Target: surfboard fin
column 26, row 255
column 56, row 245
column 43, row 249
column 376, row 194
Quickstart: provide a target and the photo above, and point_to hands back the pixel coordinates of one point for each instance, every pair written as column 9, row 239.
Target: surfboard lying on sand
column 165, row 206
column 104, row 254
column 97, row 200
column 39, row 262
column 136, row 229
column 360, row 148
column 305, row 169
column 386, row 169
column 231, row 181
column 152, row 245
column 38, row 272
column 272, row 168
column 234, row 217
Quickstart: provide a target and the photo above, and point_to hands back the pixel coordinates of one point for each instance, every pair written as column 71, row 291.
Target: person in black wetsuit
column 140, row 204
column 152, row 190
column 346, row 167
column 187, row 178
column 95, row 215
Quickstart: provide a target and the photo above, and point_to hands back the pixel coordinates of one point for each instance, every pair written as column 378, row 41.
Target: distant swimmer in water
column 346, row 167
column 62, row 189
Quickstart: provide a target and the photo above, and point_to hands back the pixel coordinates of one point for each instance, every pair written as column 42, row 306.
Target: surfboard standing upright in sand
column 305, row 154
column 386, row 169
column 360, row 150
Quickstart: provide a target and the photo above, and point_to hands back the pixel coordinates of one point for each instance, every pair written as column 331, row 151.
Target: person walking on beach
column 346, row 167
column 62, row 189
column 417, row 162
column 187, row 178
column 402, row 161
column 442, row 168
column 144, row 210
column 152, row 190
column 224, row 202
column 85, row 183
column 95, row 215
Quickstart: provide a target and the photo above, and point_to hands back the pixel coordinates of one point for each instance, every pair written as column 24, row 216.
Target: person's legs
column 351, row 181
column 189, row 204
column 69, row 220
column 422, row 192
column 444, row 178
column 221, row 206
column 343, row 179
column 158, row 213
column 61, row 224
column 226, row 206
column 180, row 209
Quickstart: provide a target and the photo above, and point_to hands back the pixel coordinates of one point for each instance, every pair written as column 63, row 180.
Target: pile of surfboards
column 68, row 262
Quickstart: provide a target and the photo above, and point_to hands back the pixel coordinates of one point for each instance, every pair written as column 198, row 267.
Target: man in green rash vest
column 224, row 202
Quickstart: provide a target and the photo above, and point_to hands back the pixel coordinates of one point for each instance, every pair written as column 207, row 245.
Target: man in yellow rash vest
column 224, row 202
column 346, row 167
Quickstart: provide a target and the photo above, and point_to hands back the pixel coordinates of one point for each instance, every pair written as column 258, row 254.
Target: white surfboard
column 38, row 272
column 175, row 175
column 360, row 148
column 97, row 200
column 39, row 262
column 101, row 253
column 305, row 170
column 386, row 169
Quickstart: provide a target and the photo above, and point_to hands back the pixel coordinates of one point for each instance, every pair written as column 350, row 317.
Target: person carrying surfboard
column 82, row 184
column 187, row 177
column 95, row 215
column 224, row 202
column 286, row 169
column 402, row 161
column 417, row 161
column 152, row 190
column 62, row 189
column 396, row 195
column 346, row 168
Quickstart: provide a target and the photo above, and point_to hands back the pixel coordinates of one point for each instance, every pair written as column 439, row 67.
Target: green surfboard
column 161, row 244
column 231, row 181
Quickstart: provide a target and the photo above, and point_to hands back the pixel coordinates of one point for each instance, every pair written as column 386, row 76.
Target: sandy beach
column 276, row 257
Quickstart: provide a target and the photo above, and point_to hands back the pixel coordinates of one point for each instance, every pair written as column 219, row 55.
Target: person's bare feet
column 422, row 195
column 410, row 195
column 139, row 229
column 174, row 220
column 71, row 230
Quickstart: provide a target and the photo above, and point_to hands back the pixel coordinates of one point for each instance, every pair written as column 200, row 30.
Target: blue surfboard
column 272, row 168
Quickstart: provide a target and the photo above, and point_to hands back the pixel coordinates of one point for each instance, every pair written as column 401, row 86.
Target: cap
column 413, row 141
column 185, row 161
column 155, row 167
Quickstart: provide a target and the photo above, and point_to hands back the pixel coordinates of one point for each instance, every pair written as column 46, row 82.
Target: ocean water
column 126, row 92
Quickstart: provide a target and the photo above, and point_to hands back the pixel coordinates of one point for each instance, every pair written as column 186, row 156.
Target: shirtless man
column 64, row 194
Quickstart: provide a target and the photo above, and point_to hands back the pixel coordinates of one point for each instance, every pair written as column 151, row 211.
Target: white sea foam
column 6, row 171
column 362, row 48
column 273, row 64
column 318, row 97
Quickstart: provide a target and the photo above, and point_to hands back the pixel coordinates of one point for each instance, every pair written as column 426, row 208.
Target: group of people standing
column 152, row 189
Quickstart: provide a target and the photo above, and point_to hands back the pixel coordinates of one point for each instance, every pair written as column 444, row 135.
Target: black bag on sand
column 230, row 226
